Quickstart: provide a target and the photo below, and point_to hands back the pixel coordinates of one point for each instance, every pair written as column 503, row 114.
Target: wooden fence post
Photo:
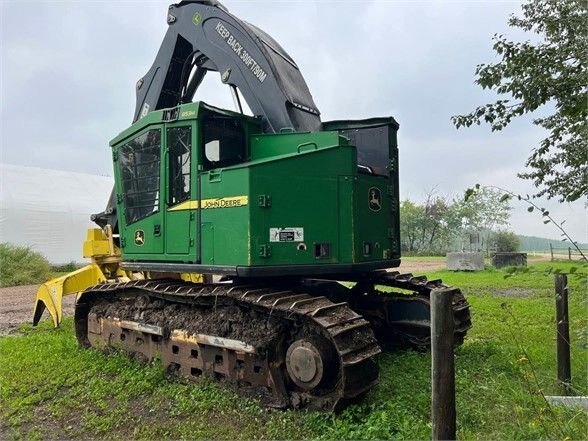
column 570, row 253
column 443, row 413
column 551, row 250
column 564, row 371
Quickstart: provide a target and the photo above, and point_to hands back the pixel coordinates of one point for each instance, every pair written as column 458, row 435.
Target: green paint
column 306, row 181
column 196, row 18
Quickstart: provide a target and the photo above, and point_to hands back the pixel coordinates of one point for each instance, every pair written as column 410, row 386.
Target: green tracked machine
column 250, row 249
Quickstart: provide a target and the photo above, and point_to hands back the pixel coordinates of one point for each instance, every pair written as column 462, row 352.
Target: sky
column 68, row 72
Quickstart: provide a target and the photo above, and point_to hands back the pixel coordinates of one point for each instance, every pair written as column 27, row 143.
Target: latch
column 265, row 251
column 215, row 176
column 123, row 242
column 264, row 200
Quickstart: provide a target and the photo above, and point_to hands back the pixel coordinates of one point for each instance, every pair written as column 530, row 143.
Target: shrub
column 22, row 266
column 505, row 242
column 67, row 268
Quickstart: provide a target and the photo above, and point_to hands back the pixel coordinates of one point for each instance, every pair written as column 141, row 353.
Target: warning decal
column 288, row 234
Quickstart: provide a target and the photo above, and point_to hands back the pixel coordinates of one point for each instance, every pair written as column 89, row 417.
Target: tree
column 424, row 228
column 410, row 218
column 486, row 209
column 551, row 74
column 505, row 242
column 480, row 213
column 440, row 224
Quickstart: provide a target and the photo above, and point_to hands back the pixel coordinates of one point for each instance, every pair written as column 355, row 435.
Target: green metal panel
column 225, row 190
column 372, row 219
column 304, row 194
column 208, row 243
column 274, row 145
column 346, row 218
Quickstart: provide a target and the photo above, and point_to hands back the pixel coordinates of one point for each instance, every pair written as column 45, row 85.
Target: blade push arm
column 203, row 36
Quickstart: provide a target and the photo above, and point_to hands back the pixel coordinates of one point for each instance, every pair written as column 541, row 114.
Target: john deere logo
column 196, row 19
column 375, row 199
column 139, row 237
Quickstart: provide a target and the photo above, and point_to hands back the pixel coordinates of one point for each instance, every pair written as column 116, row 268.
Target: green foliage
column 63, row 391
column 535, row 74
column 67, row 268
column 440, row 224
column 22, row 266
column 505, row 241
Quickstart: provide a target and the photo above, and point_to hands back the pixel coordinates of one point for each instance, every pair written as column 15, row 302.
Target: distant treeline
column 540, row 244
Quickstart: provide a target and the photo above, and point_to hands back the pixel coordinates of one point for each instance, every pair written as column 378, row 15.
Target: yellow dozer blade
column 98, row 247
column 51, row 293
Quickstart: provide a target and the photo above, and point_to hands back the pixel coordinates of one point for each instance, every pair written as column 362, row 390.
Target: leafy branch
column 550, row 73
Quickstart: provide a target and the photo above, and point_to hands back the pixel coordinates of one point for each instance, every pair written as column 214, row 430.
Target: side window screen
column 179, row 142
column 224, row 142
column 139, row 169
column 373, row 147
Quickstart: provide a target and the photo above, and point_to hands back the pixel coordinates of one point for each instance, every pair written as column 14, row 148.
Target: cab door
column 138, row 187
column 180, row 213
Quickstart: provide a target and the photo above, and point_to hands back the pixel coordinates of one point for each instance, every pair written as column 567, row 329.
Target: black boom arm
column 203, row 36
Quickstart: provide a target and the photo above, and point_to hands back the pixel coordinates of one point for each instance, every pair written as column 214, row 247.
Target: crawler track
column 301, row 344
column 402, row 320
column 290, row 349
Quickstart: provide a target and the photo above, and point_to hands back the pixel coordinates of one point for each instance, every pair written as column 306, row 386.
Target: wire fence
column 570, row 252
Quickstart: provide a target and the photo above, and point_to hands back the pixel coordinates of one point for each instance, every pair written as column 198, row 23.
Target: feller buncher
column 297, row 218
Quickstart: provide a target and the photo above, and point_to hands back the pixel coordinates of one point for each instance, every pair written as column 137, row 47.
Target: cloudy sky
column 68, row 71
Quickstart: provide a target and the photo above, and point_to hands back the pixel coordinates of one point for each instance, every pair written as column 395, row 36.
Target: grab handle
column 307, row 144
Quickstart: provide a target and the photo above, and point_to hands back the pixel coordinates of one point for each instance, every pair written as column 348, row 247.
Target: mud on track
column 16, row 307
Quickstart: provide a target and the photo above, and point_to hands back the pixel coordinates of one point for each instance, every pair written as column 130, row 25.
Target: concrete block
column 500, row 260
column 465, row 261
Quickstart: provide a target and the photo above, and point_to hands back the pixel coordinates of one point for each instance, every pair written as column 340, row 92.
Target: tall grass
column 22, row 266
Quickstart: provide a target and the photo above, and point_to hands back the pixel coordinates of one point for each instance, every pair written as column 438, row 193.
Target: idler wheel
column 306, row 362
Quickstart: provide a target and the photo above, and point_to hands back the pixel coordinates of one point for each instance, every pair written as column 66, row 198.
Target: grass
column 22, row 266
column 49, row 388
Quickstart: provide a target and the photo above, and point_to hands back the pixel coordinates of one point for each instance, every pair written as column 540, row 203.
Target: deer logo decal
column 375, row 199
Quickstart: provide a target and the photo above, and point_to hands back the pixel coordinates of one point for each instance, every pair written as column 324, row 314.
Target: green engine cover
column 201, row 189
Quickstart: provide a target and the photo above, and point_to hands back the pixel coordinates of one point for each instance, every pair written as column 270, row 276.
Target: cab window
column 224, row 142
column 179, row 141
column 139, row 169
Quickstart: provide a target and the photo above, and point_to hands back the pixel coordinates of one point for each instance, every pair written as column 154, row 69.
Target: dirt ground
column 421, row 267
column 16, row 307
